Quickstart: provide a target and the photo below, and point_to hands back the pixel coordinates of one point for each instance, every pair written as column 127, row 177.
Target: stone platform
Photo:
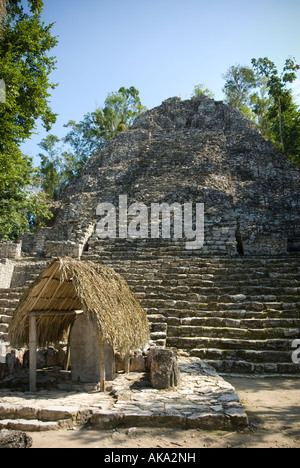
column 202, row 400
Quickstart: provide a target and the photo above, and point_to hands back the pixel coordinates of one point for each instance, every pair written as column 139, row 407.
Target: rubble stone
column 14, row 439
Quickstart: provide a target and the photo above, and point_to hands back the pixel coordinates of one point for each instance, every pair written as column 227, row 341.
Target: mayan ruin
column 232, row 303
column 149, row 246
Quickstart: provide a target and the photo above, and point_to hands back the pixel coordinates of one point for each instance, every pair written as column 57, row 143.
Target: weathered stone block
column 164, row 372
column 10, row 250
column 69, row 249
column 55, row 413
column 137, row 362
column 106, row 419
column 272, row 244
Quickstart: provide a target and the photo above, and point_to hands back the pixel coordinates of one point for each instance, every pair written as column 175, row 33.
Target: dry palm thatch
column 68, row 285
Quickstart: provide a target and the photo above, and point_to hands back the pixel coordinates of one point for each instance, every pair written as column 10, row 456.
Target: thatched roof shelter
column 67, row 286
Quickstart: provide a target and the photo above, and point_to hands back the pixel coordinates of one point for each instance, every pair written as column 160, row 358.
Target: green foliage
column 260, row 103
column 239, row 83
column 20, row 205
column 24, row 67
column 282, row 113
column 58, row 167
column 262, row 95
column 200, row 90
column 84, row 138
column 99, row 127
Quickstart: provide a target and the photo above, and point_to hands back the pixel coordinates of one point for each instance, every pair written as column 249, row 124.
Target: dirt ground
column 272, row 405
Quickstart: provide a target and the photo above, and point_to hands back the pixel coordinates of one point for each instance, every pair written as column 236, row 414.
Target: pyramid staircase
column 25, row 272
column 240, row 315
column 9, row 299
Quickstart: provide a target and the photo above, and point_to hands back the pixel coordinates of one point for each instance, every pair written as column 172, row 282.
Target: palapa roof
column 68, row 285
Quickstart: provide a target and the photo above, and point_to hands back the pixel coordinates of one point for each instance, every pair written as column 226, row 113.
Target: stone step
column 7, row 312
column 28, row 426
column 194, row 305
column 200, row 303
column 11, row 290
column 251, row 356
column 24, row 275
column 245, row 368
column 186, row 324
column 210, row 272
column 178, row 286
column 5, row 319
column 206, row 342
column 185, row 317
column 4, row 337
column 248, row 306
column 3, row 326
column 9, row 303
column 106, row 248
column 219, row 267
column 227, row 332
column 33, row 418
column 10, row 295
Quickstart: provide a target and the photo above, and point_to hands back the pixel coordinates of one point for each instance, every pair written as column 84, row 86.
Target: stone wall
column 11, row 250
column 35, row 243
column 63, row 249
column 6, row 273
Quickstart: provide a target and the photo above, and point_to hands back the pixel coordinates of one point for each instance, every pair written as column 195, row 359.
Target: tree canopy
column 263, row 95
column 25, row 66
column 58, row 166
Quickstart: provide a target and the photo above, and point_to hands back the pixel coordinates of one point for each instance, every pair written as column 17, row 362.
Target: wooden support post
column 110, row 366
column 32, row 353
column 127, row 364
column 101, row 365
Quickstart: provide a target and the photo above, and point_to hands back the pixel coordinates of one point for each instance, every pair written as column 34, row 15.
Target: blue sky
column 162, row 47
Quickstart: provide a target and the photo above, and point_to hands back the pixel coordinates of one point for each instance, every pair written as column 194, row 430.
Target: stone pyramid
column 199, row 151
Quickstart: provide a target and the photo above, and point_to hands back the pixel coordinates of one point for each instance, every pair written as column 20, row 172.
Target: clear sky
column 162, row 47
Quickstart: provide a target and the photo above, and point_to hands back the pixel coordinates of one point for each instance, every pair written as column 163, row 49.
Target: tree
column 240, row 81
column 97, row 128
column 263, row 96
column 200, row 90
column 260, row 102
column 283, row 113
column 84, row 138
column 57, row 167
column 20, row 204
column 25, row 67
